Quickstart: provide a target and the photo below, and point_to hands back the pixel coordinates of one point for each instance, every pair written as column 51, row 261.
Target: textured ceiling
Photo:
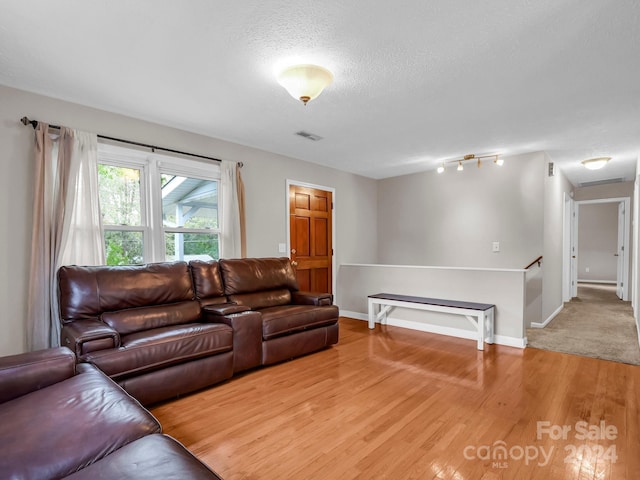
column 416, row 82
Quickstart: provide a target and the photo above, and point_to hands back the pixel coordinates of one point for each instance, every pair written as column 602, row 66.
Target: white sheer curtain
column 233, row 244
column 67, row 226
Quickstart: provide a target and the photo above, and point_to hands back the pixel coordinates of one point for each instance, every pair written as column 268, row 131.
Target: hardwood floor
column 401, row 404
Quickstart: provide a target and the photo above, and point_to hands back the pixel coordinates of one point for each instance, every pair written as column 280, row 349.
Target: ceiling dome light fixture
column 477, row 158
column 595, row 163
column 305, row 82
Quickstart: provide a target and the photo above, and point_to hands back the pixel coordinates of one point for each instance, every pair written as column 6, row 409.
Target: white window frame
column 152, row 166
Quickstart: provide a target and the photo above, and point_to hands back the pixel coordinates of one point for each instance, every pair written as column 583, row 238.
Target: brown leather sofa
column 142, row 326
column 161, row 330
column 59, row 419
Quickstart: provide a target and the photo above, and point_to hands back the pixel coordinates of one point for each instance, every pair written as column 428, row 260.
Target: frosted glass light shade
column 305, row 82
column 595, row 163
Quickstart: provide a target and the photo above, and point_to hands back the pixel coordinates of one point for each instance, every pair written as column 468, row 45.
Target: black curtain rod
column 34, row 123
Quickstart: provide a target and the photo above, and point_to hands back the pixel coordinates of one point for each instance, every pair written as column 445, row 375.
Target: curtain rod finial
column 25, row 121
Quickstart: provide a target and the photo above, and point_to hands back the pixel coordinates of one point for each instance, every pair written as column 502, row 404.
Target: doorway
column 310, row 210
column 605, row 264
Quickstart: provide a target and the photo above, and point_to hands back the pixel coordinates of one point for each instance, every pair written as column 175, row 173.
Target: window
column 156, row 207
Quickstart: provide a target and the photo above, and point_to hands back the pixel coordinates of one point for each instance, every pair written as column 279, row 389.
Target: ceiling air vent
column 310, row 136
column 601, row 182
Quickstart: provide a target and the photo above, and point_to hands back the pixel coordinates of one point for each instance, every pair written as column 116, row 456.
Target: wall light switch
column 587, row 270
column 495, row 247
column 282, row 248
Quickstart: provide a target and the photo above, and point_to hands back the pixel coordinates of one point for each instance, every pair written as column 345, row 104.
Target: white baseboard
column 439, row 329
column 546, row 322
column 356, row 315
column 510, row 341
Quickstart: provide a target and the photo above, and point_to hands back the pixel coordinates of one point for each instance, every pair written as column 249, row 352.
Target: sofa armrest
column 311, row 298
column 84, row 336
column 247, row 336
column 210, row 312
column 27, row 372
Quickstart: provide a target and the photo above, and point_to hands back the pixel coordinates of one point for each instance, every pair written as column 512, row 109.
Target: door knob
column 294, row 263
column 293, row 250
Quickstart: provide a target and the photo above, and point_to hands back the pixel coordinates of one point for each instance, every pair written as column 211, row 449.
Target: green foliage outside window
column 121, row 205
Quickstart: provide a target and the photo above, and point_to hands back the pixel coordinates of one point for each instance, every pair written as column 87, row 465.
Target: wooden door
column 310, row 229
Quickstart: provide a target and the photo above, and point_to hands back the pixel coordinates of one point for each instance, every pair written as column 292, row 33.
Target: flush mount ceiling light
column 595, row 163
column 305, row 82
column 496, row 159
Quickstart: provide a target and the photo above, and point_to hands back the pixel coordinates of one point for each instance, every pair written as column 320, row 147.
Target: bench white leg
column 481, row 330
column 372, row 314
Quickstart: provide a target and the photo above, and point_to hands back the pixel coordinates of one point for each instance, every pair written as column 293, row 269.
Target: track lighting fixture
column 478, row 158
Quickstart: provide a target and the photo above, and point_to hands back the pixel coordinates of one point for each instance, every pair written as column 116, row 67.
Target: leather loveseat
column 59, row 419
column 161, row 330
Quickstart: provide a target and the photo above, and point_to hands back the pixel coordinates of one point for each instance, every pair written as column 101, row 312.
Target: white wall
column 635, row 257
column 264, row 174
column 608, row 190
column 598, row 242
column 452, row 219
column 555, row 187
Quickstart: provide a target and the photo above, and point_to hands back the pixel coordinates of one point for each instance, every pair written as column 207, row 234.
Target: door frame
column 567, row 246
column 627, row 224
column 289, row 183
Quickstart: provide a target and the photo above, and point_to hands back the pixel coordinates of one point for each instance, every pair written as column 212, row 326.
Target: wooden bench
column 480, row 315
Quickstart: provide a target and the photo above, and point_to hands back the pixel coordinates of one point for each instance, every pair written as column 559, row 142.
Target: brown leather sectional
column 165, row 329
column 60, row 419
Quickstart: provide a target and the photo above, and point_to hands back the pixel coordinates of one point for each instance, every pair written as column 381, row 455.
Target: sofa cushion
column 86, row 292
column 207, row 281
column 249, row 275
column 284, row 320
column 55, row 431
column 134, row 320
column 150, row 458
column 161, row 347
column 258, row 300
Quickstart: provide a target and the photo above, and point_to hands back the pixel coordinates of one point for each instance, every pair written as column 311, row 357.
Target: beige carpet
column 594, row 324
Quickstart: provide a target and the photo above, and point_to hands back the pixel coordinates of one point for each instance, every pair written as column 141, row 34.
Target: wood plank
column 401, row 404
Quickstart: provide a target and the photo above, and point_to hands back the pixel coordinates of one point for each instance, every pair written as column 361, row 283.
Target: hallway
column 594, row 324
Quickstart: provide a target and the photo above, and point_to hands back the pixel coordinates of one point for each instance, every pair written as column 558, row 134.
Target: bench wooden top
column 432, row 301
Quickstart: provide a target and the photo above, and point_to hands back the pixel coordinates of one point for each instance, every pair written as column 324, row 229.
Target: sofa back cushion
column 207, row 281
column 257, row 300
column 99, row 292
column 249, row 275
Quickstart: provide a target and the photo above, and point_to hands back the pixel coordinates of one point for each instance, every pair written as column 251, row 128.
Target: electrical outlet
column 495, row 247
column 282, row 248
column 586, row 269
